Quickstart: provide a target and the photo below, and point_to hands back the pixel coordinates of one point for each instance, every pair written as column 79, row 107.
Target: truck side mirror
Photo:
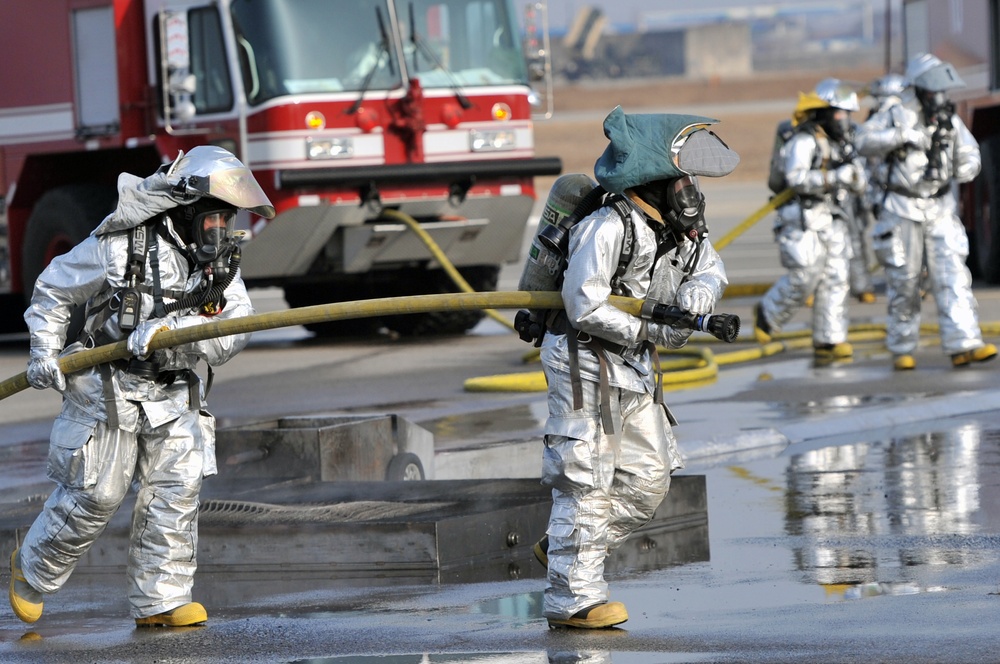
column 538, row 55
column 179, row 84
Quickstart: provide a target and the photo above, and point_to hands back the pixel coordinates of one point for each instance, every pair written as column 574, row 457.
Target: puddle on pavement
column 513, row 422
column 841, row 403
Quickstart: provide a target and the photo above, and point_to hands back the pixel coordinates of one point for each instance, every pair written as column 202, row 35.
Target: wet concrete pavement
column 853, row 515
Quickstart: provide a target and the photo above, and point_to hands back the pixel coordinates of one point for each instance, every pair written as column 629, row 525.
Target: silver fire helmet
column 208, row 170
column 928, row 72
column 890, row 85
column 837, row 94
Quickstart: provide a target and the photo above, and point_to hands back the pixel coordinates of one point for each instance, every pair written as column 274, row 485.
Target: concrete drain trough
column 328, row 449
column 276, row 530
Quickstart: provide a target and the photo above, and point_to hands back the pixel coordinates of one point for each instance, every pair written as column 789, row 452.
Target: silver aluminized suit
column 859, row 224
column 164, row 443
column 606, row 486
column 919, row 224
column 812, row 235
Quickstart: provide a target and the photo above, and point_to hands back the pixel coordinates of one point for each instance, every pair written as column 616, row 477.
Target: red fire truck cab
column 342, row 108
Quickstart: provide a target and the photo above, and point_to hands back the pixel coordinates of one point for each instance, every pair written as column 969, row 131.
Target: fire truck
column 343, row 109
column 966, row 33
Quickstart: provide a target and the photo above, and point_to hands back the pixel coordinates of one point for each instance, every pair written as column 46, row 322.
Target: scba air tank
column 543, row 266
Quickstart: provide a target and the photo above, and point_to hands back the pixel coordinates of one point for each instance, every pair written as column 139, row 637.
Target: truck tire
column 307, row 295
column 61, row 219
column 482, row 278
column 984, row 254
column 404, row 467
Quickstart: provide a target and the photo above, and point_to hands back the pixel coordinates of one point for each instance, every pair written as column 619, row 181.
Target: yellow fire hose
column 414, row 304
column 440, row 257
column 775, row 202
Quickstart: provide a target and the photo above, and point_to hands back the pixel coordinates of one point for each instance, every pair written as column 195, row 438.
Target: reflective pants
column 903, row 246
column 860, row 277
column 93, row 475
column 603, row 487
column 817, row 263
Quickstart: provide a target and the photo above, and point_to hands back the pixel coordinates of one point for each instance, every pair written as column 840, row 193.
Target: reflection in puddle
column 867, row 515
column 841, row 403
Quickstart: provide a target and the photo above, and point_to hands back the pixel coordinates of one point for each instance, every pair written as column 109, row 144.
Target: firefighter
column 928, row 151
column 609, row 449
column 811, row 230
column 166, row 258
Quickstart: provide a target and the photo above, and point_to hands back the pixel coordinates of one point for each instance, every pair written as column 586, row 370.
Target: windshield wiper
column 383, row 49
column 421, row 46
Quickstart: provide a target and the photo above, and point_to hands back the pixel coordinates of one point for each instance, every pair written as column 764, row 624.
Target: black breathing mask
column 207, row 227
column 680, row 202
column 836, row 122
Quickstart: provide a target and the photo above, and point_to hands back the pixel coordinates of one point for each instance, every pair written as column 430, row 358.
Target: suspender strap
column 658, row 391
column 607, row 420
column 159, row 310
column 109, row 396
column 574, row 370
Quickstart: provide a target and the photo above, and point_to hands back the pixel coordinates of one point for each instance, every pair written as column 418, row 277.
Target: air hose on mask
column 214, row 293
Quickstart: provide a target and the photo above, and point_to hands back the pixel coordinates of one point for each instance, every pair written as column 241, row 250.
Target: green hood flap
column 660, row 146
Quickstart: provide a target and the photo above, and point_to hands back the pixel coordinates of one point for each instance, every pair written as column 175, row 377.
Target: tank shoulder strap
column 624, row 210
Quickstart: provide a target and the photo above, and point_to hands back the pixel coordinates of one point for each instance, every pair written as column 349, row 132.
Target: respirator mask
column 207, row 228
column 681, row 204
column 836, row 122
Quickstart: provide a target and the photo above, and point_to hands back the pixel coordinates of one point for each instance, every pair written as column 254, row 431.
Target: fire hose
column 414, row 304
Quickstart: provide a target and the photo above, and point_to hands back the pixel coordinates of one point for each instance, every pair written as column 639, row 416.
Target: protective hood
column 661, row 146
column 205, row 170
column 139, row 200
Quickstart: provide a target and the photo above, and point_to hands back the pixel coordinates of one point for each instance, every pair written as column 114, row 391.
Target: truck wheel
column 984, row 256
column 482, row 278
column 404, row 467
column 307, row 295
column 61, row 219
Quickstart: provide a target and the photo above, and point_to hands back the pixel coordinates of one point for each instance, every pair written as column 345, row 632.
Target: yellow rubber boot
column 25, row 600
column 904, row 363
column 839, row 351
column 185, row 615
column 598, row 616
column 866, row 298
column 981, row 354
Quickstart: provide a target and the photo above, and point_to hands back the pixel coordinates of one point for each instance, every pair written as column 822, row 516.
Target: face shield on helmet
column 208, row 170
column 928, row 72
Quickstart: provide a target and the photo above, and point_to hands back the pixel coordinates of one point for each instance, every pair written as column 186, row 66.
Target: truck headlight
column 329, row 148
column 492, row 140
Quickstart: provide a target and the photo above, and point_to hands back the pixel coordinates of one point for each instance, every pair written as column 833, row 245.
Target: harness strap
column 574, row 371
column 110, row 404
column 159, row 310
column 607, row 420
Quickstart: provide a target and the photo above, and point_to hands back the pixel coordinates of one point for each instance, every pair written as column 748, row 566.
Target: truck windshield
column 293, row 47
